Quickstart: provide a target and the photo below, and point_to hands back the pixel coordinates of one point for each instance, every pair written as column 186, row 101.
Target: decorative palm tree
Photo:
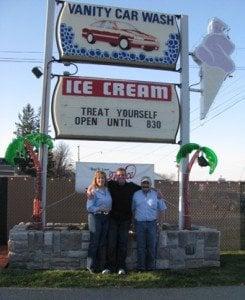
column 205, row 157
column 22, row 146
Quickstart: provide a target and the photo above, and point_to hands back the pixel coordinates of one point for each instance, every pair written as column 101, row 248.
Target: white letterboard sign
column 116, row 110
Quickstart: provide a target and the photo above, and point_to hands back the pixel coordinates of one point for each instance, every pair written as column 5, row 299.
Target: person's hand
column 90, row 192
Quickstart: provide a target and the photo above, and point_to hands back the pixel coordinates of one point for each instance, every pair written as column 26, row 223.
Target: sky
column 22, row 30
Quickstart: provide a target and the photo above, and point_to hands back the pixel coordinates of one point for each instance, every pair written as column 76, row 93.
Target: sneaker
column 106, row 271
column 121, row 272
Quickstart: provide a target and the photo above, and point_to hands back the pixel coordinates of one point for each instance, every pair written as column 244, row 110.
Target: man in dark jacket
column 120, row 221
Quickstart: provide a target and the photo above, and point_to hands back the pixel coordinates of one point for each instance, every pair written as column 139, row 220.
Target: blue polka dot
column 142, row 56
column 132, row 56
column 115, row 55
column 98, row 52
column 91, row 52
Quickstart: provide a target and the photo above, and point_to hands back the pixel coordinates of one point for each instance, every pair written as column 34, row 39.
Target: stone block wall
column 58, row 247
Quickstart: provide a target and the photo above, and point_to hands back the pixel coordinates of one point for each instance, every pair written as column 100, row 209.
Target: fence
column 214, row 204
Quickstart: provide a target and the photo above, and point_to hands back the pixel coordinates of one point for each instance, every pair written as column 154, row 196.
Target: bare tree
column 62, row 161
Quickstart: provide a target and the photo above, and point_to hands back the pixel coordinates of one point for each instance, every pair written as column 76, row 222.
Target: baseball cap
column 145, row 179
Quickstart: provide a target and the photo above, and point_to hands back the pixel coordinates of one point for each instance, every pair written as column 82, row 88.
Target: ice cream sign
column 213, row 56
column 104, row 34
column 109, row 109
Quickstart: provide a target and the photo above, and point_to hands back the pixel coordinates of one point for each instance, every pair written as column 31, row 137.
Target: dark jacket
column 122, row 199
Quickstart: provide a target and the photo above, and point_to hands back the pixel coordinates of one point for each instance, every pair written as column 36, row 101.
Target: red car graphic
column 119, row 34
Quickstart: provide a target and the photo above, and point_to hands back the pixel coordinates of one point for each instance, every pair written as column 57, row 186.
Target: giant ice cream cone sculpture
column 213, row 56
column 212, row 79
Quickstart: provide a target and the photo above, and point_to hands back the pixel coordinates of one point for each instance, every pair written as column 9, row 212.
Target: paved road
column 204, row 293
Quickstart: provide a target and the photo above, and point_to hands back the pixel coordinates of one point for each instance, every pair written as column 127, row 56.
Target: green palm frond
column 185, row 150
column 38, row 139
column 15, row 149
column 211, row 158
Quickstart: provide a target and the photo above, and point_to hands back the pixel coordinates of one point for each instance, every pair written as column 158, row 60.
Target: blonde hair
column 96, row 175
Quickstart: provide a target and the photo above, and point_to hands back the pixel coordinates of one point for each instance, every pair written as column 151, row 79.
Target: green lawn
column 231, row 272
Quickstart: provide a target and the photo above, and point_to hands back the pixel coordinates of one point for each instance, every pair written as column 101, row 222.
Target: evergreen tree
column 28, row 121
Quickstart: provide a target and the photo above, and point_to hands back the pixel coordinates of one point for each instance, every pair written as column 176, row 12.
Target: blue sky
column 22, row 30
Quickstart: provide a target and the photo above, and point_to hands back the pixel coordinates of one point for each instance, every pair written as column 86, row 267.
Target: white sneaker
column 121, row 272
column 106, row 271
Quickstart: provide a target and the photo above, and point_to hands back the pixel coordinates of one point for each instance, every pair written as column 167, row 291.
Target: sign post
column 184, row 202
column 44, row 121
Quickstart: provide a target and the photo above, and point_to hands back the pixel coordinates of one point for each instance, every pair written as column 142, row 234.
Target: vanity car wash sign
column 106, row 109
column 104, row 34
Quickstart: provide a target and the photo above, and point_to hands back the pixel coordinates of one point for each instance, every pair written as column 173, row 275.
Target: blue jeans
column 98, row 227
column 146, row 236
column 117, row 244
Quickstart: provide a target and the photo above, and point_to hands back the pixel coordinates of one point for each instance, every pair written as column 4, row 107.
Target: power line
column 236, row 101
column 21, row 60
column 28, row 60
column 208, row 120
column 223, row 88
column 219, row 105
column 2, row 59
column 21, row 52
column 241, row 99
column 42, row 52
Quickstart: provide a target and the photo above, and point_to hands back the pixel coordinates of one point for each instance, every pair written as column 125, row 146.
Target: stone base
column 65, row 246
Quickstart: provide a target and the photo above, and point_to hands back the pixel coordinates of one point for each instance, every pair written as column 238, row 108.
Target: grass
column 231, row 272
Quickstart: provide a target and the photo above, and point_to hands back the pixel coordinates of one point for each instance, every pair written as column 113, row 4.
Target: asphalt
column 203, row 293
